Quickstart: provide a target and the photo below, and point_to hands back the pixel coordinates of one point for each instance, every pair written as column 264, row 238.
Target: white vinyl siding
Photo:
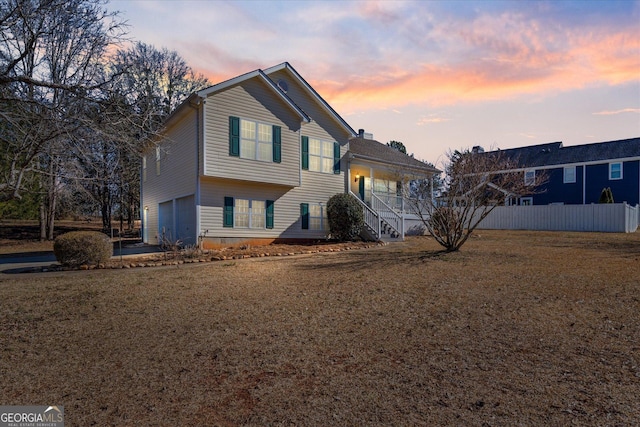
column 178, row 153
column 318, row 188
column 251, row 101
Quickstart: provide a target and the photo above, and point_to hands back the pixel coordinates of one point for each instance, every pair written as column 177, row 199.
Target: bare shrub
column 82, row 247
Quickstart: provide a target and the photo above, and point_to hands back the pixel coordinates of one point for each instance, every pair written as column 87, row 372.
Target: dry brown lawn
column 519, row 328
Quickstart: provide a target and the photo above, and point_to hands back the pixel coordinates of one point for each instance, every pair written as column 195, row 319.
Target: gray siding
column 285, row 183
column 251, row 100
column 310, row 105
column 287, row 221
column 178, row 171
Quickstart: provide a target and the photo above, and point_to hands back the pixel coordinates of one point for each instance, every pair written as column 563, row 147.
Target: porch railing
column 371, row 218
column 389, row 215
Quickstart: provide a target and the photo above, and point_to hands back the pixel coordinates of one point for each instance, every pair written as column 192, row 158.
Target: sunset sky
column 436, row 75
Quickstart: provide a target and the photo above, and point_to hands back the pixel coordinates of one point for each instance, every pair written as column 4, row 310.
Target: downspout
column 198, row 140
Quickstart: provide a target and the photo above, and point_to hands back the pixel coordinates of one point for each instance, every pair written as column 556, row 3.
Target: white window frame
column 158, row 155
column 259, row 140
column 566, row 175
column 254, row 217
column 611, row 165
column 526, row 201
column 144, row 168
column 318, row 222
column 529, row 177
column 323, row 160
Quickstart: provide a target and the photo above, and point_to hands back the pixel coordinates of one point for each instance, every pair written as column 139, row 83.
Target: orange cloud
column 612, row 113
column 504, row 57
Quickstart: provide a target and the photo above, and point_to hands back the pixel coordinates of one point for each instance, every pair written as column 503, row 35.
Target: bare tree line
column 78, row 103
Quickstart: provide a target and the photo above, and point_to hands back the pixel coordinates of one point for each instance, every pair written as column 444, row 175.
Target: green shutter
column 305, row 153
column 361, row 187
column 228, row 212
column 234, row 136
column 304, row 214
column 269, row 213
column 277, row 144
column 336, row 158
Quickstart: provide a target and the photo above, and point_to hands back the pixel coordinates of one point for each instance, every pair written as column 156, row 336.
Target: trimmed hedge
column 345, row 216
column 82, row 247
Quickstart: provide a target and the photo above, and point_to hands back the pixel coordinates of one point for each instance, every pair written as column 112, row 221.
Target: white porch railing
column 371, row 218
column 389, row 215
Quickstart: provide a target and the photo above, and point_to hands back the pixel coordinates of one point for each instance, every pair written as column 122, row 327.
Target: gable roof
column 263, row 77
column 555, row 154
column 312, row 92
column 372, row 150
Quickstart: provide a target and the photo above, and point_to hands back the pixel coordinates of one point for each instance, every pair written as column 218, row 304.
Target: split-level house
column 255, row 159
column 578, row 174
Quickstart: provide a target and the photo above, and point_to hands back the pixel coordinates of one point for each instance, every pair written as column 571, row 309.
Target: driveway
column 24, row 261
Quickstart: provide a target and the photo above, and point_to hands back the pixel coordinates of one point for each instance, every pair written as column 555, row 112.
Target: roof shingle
column 555, row 154
column 370, row 149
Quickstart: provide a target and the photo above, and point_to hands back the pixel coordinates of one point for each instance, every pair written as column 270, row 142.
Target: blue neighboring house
column 577, row 174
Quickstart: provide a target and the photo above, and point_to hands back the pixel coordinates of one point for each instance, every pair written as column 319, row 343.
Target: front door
column 364, row 189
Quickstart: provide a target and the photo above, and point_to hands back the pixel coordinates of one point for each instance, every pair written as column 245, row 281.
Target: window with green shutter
column 320, row 156
column 228, row 212
column 270, row 209
column 305, row 153
column 277, row 144
column 234, row 136
column 336, row 158
column 304, row 215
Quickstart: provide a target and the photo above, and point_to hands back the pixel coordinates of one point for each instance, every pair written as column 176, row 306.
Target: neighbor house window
column 569, row 174
column 529, row 177
column 144, row 168
column 320, row 156
column 247, row 213
column 615, row 170
column 254, row 140
column 526, row 201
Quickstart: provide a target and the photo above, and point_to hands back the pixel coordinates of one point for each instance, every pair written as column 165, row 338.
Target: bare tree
column 146, row 85
column 51, row 57
column 474, row 185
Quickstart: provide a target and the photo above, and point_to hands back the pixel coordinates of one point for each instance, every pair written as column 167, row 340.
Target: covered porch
column 379, row 177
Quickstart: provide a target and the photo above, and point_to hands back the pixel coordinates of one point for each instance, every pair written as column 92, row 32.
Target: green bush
column 345, row 217
column 82, row 247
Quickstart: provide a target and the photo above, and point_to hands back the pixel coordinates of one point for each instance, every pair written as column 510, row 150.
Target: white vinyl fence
column 615, row 218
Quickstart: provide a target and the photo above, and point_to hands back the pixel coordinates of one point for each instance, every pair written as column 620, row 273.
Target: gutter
column 401, row 165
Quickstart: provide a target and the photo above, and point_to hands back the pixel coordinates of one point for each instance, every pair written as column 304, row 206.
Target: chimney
column 477, row 149
column 364, row 135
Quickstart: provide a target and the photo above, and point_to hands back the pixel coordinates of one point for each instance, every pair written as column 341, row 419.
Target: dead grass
column 520, row 328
